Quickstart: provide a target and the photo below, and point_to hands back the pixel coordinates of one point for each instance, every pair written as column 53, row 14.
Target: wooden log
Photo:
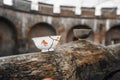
column 115, row 50
column 79, row 60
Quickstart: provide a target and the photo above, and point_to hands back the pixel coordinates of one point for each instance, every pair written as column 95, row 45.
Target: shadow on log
column 79, row 60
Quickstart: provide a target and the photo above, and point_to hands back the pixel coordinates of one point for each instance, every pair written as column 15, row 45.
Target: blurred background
column 21, row 20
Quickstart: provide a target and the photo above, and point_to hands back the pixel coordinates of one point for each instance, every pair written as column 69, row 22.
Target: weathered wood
column 79, row 60
column 115, row 50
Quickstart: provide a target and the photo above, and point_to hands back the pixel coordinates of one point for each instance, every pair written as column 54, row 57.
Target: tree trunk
column 79, row 60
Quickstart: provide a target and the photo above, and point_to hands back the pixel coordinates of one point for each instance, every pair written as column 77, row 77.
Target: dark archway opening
column 113, row 35
column 39, row 30
column 71, row 37
column 8, row 38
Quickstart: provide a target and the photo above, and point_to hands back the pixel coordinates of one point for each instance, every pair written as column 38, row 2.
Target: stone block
column 109, row 13
column 22, row 5
column 67, row 11
column 88, row 12
column 46, row 9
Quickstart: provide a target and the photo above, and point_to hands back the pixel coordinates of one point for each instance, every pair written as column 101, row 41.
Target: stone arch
column 113, row 35
column 115, row 75
column 71, row 37
column 8, row 37
column 40, row 30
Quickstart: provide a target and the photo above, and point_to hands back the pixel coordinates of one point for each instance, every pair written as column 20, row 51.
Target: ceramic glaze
column 47, row 43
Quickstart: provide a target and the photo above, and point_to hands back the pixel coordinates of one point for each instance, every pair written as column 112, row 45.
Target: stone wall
column 23, row 19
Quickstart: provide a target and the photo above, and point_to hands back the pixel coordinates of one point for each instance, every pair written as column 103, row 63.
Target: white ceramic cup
column 47, row 43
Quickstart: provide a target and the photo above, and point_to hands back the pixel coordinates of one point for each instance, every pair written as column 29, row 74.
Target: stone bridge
column 19, row 22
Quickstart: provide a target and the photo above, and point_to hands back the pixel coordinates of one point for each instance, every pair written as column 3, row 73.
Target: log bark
column 115, row 50
column 79, row 60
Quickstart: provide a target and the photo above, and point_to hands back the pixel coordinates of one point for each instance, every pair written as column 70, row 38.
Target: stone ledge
column 65, row 11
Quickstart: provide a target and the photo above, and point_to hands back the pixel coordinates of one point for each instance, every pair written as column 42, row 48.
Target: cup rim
column 46, row 36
